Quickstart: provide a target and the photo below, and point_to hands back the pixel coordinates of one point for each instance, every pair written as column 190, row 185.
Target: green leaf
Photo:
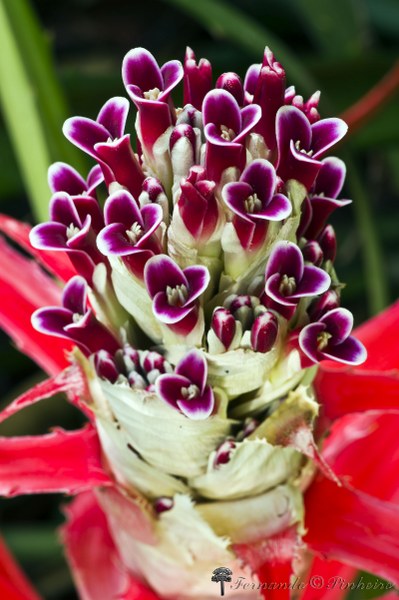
column 321, row 20
column 225, row 21
column 31, row 100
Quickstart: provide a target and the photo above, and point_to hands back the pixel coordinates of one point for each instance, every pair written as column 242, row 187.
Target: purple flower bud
column 150, row 360
column 163, row 504
column 231, row 82
column 312, row 253
column 223, row 453
column 328, row 243
column 105, row 366
column 224, row 326
column 136, row 380
column 328, row 301
column 197, row 79
column 264, row 332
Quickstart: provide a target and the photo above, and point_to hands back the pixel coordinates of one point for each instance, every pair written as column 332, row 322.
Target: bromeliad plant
column 201, row 298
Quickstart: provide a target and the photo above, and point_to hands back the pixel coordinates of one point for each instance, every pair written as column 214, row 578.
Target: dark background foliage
column 342, row 47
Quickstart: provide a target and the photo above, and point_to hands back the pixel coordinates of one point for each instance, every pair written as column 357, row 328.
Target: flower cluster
column 204, row 292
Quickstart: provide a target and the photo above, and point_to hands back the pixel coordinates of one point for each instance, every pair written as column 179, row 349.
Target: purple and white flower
column 175, row 292
column 226, row 126
column 197, row 79
column 301, row 145
column 187, row 390
column 64, row 178
column 75, row 320
column 105, row 141
column 330, row 339
column 254, row 202
column 287, row 279
column 130, row 229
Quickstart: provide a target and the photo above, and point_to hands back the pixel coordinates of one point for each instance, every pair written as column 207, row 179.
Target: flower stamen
column 71, row 231
column 287, row 285
column 152, row 94
column 134, row 233
column 252, row 204
column 227, row 133
column 178, row 295
column 190, row 392
column 322, row 340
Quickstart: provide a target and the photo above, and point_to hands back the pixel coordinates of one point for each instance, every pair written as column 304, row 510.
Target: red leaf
column 329, row 578
column 347, row 391
column 69, row 381
column 56, row 262
column 13, row 583
column 61, row 461
column 353, row 527
column 271, row 559
column 24, row 287
column 94, row 559
column 363, row 450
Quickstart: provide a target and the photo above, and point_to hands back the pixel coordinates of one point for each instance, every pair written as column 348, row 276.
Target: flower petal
column 198, row 278
column 331, row 177
column 380, row 336
column 278, row 209
column 64, row 178
column 160, row 272
column 221, row 108
column 121, row 207
column 350, row 351
column 308, row 341
column 172, row 73
column 51, row 236
column 61, row 461
column 285, row 259
column 235, row 194
column 199, row 407
column 140, row 69
column 85, row 133
column 113, row 116
column 315, row 281
column 167, row 313
column 112, row 240
column 326, row 133
column 169, row 387
column 194, row 367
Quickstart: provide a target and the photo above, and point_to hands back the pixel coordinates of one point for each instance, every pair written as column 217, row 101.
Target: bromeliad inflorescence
column 205, row 291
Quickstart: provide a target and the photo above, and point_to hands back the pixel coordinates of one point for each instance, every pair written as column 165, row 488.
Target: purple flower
column 309, row 108
column 301, row 145
column 330, row 339
column 226, row 126
column 149, row 86
column 264, row 85
column 197, row 79
column 129, row 229
column 288, row 279
column 254, row 201
column 103, row 139
column 64, row 178
column 75, row 321
column 174, row 291
column 186, row 390
column 323, row 195
column 74, row 224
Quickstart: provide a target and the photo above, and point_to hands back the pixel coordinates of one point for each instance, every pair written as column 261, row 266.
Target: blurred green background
column 63, row 58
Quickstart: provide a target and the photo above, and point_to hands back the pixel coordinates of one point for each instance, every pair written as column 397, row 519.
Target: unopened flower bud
column 197, row 79
column 328, row 243
column 224, row 326
column 136, row 380
column 223, row 453
column 242, row 307
column 264, row 332
column 231, row 82
column 163, row 504
column 313, row 253
column 328, row 301
column 105, row 366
